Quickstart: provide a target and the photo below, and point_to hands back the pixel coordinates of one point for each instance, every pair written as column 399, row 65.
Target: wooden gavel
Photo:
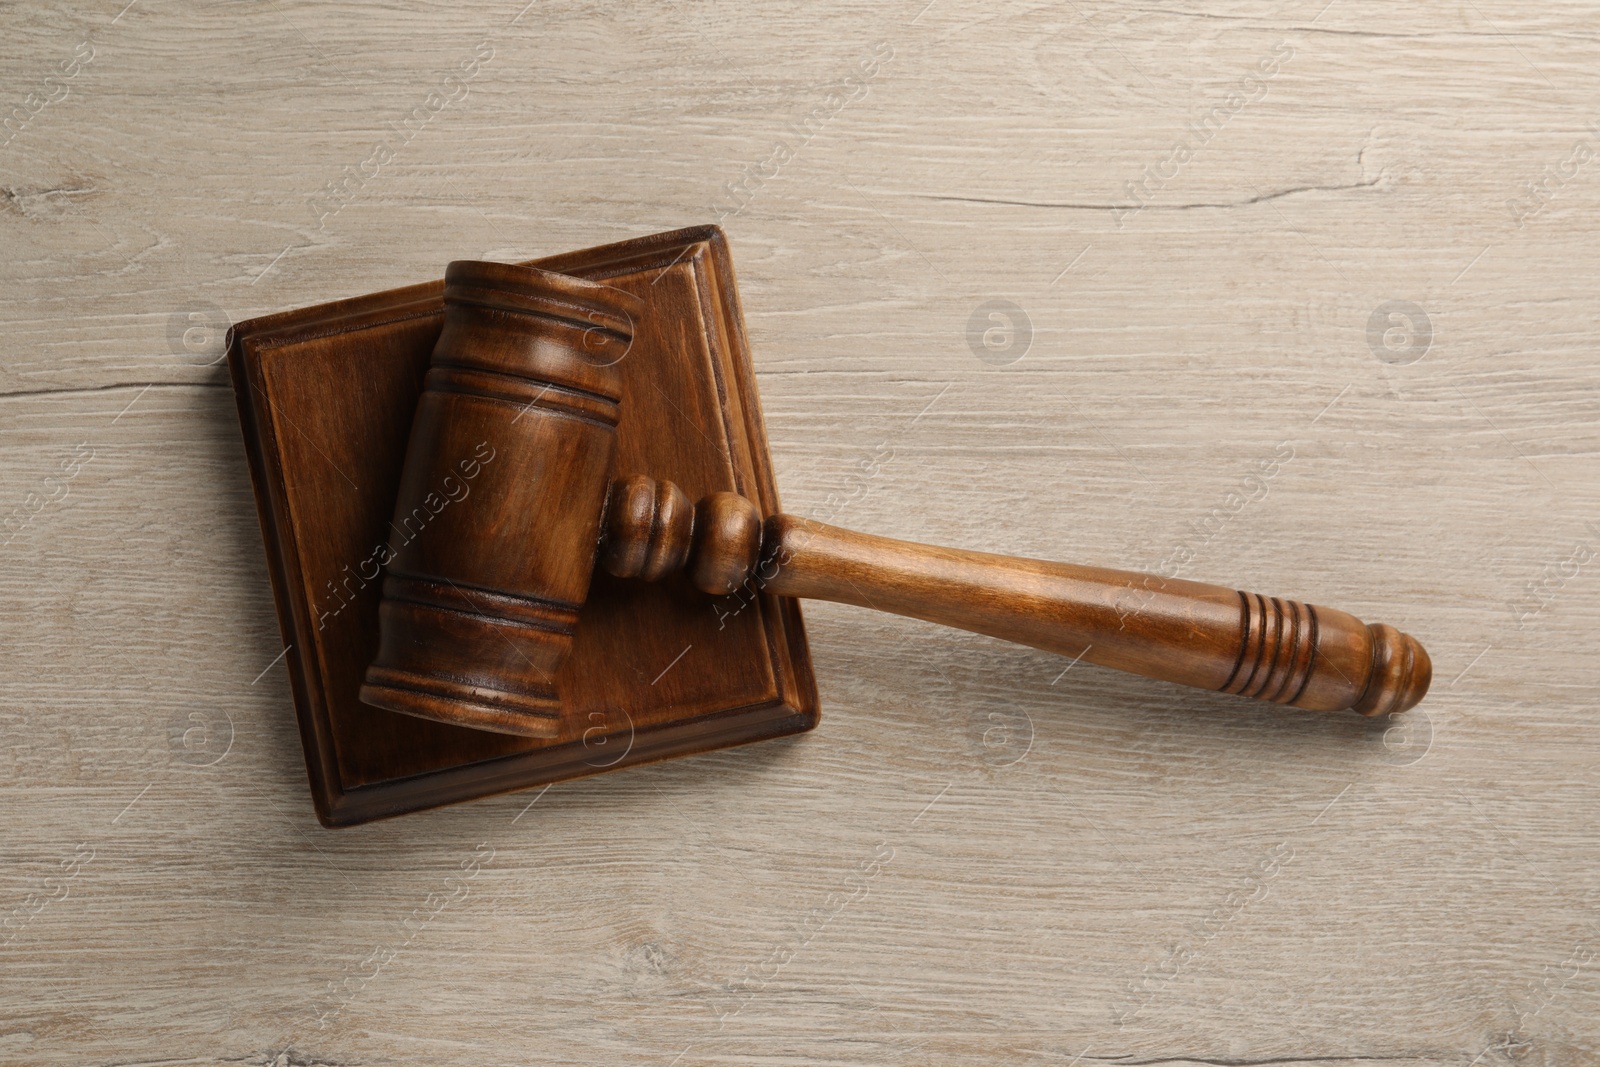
column 519, row 411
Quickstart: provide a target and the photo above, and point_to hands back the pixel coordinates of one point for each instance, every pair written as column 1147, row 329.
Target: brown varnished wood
column 326, row 398
column 493, row 622
column 1206, row 636
column 1191, row 633
column 492, row 541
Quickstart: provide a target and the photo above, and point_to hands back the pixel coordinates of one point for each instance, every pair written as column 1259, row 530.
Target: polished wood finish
column 1191, row 633
column 483, row 588
column 485, row 593
column 1206, row 636
column 326, row 396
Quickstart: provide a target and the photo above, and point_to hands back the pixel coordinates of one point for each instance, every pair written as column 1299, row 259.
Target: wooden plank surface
column 1201, row 216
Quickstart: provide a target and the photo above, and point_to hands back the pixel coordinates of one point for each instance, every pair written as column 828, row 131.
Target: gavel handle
column 1206, row 636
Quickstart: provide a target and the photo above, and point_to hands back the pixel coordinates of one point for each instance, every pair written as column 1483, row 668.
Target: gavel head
column 497, row 519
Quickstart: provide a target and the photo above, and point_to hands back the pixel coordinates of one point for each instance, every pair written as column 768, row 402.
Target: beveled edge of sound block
column 319, row 697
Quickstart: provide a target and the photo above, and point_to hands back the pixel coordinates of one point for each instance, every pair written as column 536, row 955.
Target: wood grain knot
column 1277, row 651
column 651, row 530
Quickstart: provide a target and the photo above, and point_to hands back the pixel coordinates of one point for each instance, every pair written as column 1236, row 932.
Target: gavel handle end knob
column 1401, row 673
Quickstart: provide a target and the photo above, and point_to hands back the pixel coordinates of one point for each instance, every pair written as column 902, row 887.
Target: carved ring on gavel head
column 519, row 412
column 479, row 607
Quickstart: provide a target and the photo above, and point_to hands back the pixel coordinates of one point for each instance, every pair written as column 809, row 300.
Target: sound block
column 326, row 396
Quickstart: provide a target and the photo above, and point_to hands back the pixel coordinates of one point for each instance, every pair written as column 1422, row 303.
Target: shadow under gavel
column 523, row 396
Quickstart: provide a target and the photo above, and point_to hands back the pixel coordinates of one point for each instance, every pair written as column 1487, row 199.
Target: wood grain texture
column 1189, row 633
column 983, row 854
column 327, row 394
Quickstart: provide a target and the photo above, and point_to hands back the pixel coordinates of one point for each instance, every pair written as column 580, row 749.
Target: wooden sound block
column 326, row 396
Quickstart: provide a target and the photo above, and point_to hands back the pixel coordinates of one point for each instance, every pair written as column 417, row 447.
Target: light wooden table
column 1202, row 216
